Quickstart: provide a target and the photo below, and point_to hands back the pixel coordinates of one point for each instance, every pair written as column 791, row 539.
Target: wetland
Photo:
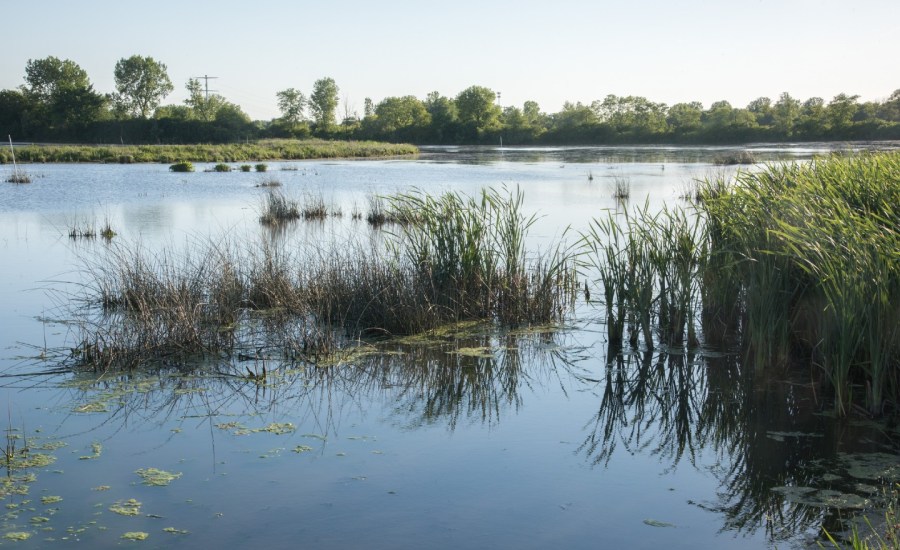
column 467, row 371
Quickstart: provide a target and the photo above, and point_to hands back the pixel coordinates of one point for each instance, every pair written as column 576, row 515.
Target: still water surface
column 477, row 440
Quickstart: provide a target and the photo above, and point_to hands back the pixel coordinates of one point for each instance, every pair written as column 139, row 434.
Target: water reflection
column 767, row 438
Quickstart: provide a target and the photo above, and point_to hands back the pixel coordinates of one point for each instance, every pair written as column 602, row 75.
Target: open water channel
column 484, row 439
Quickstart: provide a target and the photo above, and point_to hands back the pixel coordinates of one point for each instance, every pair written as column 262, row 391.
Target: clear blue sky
column 549, row 51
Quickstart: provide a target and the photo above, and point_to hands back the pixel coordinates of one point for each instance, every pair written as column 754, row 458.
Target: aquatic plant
column 221, row 167
column 463, row 259
column 278, row 208
column 182, row 167
column 246, row 168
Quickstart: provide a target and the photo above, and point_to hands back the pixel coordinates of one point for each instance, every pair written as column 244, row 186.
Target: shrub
column 182, row 167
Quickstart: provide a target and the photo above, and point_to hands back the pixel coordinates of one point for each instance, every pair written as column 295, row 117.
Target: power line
column 206, row 83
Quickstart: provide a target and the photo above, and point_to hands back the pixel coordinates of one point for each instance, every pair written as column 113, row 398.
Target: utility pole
column 206, row 84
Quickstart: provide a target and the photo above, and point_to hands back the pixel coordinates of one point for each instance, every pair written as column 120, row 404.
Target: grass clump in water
column 182, row 167
column 463, row 259
column 278, row 209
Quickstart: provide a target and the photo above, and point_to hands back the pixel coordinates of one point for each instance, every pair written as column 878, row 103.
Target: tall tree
column 141, row 83
column 44, row 77
column 291, row 103
column 785, row 114
column 61, row 94
column 476, row 107
column 323, row 101
column 203, row 106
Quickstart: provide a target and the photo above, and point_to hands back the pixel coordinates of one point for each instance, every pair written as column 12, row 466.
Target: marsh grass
column 801, row 262
column 815, row 250
column 278, row 209
column 466, row 260
column 258, row 151
column 269, row 182
column 19, row 178
column 313, row 206
column 620, row 187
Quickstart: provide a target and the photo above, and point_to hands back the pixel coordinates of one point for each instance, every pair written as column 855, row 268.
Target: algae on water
column 156, row 477
column 130, row 507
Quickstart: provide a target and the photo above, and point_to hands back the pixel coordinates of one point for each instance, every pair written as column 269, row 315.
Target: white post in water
column 11, row 150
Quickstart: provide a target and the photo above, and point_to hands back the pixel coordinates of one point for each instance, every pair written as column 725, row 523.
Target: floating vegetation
column 96, row 450
column 17, row 535
column 274, row 428
column 175, row 531
column 101, row 488
column 302, row 449
column 655, row 523
column 135, row 535
column 39, row 519
column 821, row 498
column 279, row 428
column 130, row 507
column 155, row 477
column 50, row 500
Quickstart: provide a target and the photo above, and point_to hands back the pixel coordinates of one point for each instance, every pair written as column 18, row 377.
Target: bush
column 261, row 167
column 246, row 168
column 182, row 167
column 221, row 167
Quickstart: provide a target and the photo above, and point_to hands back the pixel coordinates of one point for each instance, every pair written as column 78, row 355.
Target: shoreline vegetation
column 58, row 104
column 795, row 264
column 263, row 150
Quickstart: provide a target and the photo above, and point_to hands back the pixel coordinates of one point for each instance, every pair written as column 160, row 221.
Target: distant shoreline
column 264, row 150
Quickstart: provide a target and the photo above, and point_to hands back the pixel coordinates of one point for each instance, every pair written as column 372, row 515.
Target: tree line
column 59, row 103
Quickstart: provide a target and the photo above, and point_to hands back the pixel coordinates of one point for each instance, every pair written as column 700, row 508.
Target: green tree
column 401, row 118
column 291, row 103
column 14, row 107
column 841, row 110
column 444, row 117
column 785, row 114
column 890, row 109
column 141, row 83
column 761, row 108
column 477, row 109
column 684, row 118
column 323, row 102
column 45, row 77
column 204, row 107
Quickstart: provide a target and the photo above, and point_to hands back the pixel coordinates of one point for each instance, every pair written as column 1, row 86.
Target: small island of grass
column 254, row 151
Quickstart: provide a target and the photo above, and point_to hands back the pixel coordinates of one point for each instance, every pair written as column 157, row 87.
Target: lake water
column 541, row 441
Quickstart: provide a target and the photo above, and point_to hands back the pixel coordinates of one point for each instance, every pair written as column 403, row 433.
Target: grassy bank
column 235, row 152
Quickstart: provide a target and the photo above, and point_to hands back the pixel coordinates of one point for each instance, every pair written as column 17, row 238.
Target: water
column 538, row 439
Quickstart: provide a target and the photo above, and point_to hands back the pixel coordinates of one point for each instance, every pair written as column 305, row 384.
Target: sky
column 550, row 51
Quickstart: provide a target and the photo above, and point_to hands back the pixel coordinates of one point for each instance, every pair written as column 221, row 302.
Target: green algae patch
column 130, row 507
column 302, row 449
column 156, row 477
column 92, row 407
column 279, row 429
column 825, row 498
column 17, row 535
column 50, row 500
column 40, row 519
column 136, row 535
column 482, row 352
column 101, row 488
column 174, row 531
column 96, row 450
column 872, row 466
